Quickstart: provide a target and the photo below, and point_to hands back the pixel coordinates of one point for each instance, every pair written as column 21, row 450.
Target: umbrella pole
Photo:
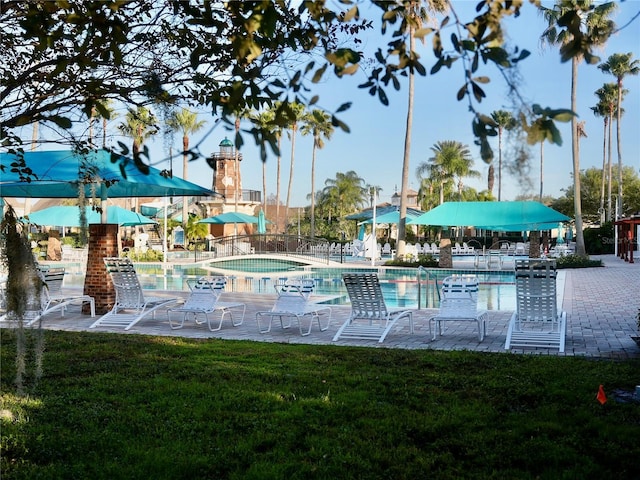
column 164, row 233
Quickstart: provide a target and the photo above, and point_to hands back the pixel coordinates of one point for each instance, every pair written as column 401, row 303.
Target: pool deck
column 601, row 306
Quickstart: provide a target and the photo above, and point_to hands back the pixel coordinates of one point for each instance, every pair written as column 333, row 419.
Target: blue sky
column 374, row 148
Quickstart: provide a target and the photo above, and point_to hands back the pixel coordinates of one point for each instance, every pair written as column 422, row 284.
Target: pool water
column 399, row 285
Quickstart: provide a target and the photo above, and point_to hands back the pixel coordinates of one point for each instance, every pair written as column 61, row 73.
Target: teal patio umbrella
column 505, row 216
column 60, row 173
column 392, row 217
column 69, row 216
column 230, row 217
column 262, row 223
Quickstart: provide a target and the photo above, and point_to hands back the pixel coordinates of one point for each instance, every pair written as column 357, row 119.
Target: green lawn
column 113, row 406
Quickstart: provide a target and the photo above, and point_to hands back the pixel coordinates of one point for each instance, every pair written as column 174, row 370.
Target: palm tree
column 577, row 27
column 346, row 193
column 194, row 230
column 295, row 112
column 450, row 163
column 317, row 123
column 620, row 65
column 140, row 125
column 414, row 15
column 107, row 112
column 187, row 122
column 265, row 121
column 505, row 121
column 605, row 108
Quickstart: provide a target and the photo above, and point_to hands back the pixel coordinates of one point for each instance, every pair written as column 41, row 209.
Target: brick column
column 103, row 242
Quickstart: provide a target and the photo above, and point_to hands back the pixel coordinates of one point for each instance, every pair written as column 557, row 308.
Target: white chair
column 426, row 249
column 468, row 249
column 459, row 302
column 537, row 321
column 295, row 301
column 52, row 298
column 204, row 300
column 434, row 248
column 131, row 305
column 386, row 249
column 370, row 318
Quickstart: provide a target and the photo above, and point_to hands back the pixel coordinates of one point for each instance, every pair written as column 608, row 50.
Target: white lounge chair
column 131, row 304
column 537, row 322
column 468, row 249
column 459, row 302
column 370, row 318
column 295, row 301
column 204, row 301
column 52, row 298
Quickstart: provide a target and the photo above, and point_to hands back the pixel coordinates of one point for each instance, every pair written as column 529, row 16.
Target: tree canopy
column 61, row 60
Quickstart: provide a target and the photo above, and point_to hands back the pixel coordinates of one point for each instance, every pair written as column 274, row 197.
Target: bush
column 427, row 261
column 576, row 261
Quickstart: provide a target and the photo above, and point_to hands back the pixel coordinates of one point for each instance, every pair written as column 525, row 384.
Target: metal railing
column 317, row 249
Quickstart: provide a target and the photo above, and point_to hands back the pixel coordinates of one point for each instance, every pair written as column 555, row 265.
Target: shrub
column 576, row 261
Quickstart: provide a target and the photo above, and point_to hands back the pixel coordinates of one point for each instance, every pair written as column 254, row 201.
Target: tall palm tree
column 505, row 121
column 577, row 26
column 620, row 65
column 295, row 112
column 346, row 193
column 187, row 122
column 140, row 125
column 450, row 163
column 265, row 121
column 414, row 15
column 317, row 123
column 605, row 108
column 106, row 113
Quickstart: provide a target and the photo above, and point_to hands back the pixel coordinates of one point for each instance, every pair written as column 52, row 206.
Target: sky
column 374, row 147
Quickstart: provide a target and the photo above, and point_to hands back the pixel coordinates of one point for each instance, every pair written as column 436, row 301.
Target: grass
column 114, row 406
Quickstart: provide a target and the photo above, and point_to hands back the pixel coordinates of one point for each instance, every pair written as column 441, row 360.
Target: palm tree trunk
column 313, row 183
column 264, row 187
column 609, row 168
column 619, row 148
column 604, row 164
column 499, row 163
column 577, row 201
column 402, row 224
column 185, row 166
column 294, row 128
column 541, row 171
column 278, row 183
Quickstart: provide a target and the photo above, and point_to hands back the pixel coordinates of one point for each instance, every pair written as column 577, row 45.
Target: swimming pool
column 399, row 285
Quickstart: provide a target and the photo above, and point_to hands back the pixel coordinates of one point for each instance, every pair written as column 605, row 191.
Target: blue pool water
column 399, row 285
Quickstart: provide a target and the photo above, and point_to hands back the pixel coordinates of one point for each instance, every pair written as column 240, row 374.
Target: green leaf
column 422, row 32
column 343, row 107
column 62, row 122
column 351, row 14
column 561, row 115
column 383, row 97
column 482, row 79
column 462, row 92
column 319, row 73
column 478, row 93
